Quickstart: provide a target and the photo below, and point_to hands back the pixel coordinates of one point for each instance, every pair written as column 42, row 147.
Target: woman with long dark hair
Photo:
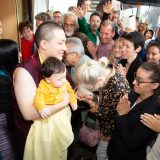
column 8, row 60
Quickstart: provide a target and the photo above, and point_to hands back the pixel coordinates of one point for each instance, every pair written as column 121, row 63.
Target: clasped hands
column 123, row 106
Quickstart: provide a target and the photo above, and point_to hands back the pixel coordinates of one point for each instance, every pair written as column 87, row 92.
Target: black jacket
column 131, row 137
column 132, row 69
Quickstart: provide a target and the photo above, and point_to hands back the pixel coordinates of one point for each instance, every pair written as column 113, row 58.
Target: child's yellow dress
column 49, row 138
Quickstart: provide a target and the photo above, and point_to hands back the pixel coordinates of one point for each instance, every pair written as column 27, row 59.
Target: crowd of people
column 77, row 63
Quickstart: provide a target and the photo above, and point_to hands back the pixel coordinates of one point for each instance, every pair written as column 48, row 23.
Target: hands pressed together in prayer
column 123, row 106
column 122, row 70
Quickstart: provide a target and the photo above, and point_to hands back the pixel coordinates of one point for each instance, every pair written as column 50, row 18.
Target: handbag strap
column 85, row 120
column 85, row 117
column 97, row 124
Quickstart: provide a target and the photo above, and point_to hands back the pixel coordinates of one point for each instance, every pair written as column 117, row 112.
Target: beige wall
column 8, row 16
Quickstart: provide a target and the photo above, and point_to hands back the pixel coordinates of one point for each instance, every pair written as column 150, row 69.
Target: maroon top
column 33, row 66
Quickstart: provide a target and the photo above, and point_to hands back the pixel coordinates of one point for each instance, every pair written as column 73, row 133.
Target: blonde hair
column 89, row 72
column 111, row 54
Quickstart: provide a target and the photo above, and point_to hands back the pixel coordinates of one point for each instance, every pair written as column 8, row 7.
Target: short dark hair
column 57, row 12
column 52, row 65
column 43, row 16
column 25, row 24
column 154, row 68
column 95, row 14
column 155, row 44
column 149, row 30
column 136, row 38
column 44, row 31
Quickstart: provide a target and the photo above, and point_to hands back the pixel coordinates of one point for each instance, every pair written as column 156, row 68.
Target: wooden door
column 9, row 19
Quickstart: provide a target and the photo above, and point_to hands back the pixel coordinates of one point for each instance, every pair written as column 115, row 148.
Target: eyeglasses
column 115, row 17
column 67, row 53
column 138, row 81
column 69, row 25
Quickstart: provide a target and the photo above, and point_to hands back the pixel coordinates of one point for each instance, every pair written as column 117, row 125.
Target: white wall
column 61, row 5
column 38, row 6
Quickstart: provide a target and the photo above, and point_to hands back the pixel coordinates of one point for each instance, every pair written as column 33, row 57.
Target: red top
column 27, row 48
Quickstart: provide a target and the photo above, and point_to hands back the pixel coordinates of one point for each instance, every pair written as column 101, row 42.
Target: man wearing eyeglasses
column 74, row 55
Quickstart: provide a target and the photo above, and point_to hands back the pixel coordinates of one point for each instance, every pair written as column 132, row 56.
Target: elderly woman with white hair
column 101, row 75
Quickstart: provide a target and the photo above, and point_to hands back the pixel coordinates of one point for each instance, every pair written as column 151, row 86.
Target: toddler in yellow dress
column 49, row 137
column 52, row 87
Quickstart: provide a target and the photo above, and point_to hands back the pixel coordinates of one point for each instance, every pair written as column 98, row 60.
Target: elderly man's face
column 70, row 57
column 69, row 26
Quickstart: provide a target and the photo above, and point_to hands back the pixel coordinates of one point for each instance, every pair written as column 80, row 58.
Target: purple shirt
column 104, row 49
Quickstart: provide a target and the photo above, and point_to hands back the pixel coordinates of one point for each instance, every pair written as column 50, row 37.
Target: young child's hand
column 44, row 113
column 66, row 99
column 74, row 107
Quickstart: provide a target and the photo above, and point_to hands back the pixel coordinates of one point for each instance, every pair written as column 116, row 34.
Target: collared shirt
column 84, row 27
column 82, row 60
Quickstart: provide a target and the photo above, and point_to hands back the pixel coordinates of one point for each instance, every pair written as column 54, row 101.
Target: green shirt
column 84, row 27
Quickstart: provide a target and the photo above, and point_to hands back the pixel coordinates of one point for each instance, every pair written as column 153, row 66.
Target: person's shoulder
column 30, row 66
column 21, row 74
column 138, row 60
